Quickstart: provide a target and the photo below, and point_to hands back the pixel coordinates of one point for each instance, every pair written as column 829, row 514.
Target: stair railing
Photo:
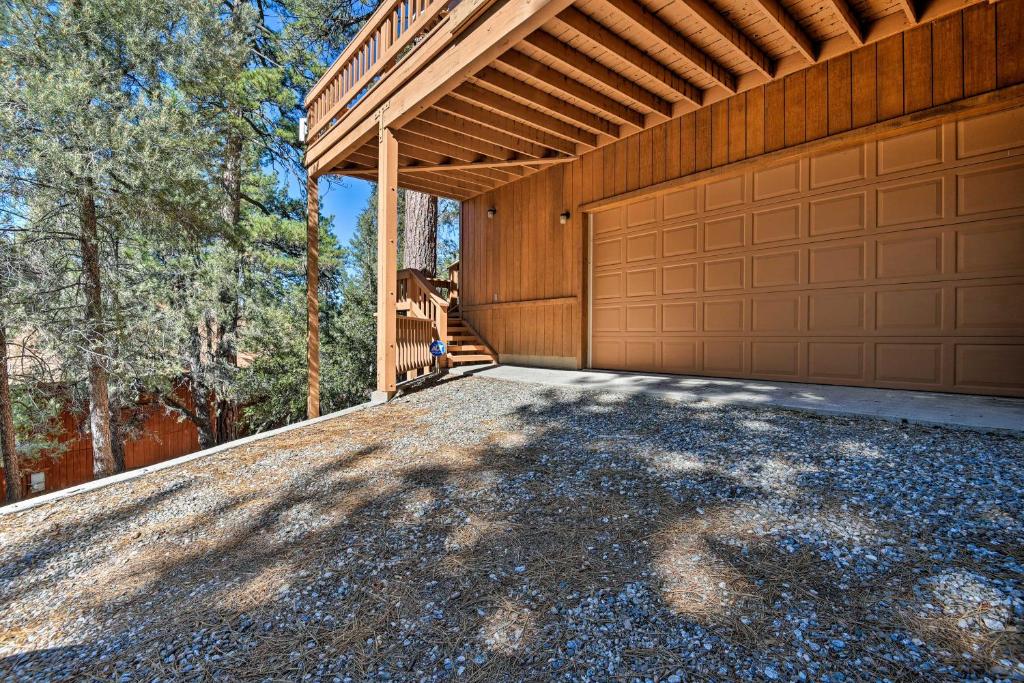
column 418, row 299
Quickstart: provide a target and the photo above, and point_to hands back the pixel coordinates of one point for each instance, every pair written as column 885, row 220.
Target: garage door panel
column 990, row 188
column 642, row 212
column 608, row 285
column 775, row 359
column 836, row 360
column 837, row 312
column 994, row 132
column 914, row 364
column 779, row 269
column 844, row 213
column 838, row 167
column 721, row 194
column 990, row 366
column 990, row 249
column 776, row 315
column 723, row 356
column 725, row 316
column 725, row 233
column 642, row 247
column 911, row 202
column 679, row 241
column 902, row 256
column 642, row 282
column 782, row 180
column 909, row 311
column 681, row 203
column 894, row 263
column 679, row 278
column 996, row 308
column 679, row 316
column 724, row 274
column 680, row 355
column 919, row 149
column 777, row 224
column 831, row 264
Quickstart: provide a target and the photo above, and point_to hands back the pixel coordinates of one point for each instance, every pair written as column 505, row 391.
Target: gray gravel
column 483, row 530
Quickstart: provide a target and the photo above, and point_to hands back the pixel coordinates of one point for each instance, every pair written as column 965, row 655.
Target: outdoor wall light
column 563, row 217
column 491, row 212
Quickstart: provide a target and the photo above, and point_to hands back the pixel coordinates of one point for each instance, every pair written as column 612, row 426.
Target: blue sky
column 341, row 200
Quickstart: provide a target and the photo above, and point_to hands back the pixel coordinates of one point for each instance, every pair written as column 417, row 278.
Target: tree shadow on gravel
column 573, row 536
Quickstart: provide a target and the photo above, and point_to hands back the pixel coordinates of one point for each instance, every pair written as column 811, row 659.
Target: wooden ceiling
column 604, row 69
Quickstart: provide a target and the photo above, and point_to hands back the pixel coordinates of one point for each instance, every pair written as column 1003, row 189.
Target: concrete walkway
column 982, row 413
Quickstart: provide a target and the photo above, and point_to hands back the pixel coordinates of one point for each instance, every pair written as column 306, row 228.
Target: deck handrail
column 418, row 298
column 372, row 52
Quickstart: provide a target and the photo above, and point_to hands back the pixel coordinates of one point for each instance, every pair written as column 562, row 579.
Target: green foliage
column 180, row 118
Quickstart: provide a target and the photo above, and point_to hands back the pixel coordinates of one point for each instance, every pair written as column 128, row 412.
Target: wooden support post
column 387, row 262
column 312, row 297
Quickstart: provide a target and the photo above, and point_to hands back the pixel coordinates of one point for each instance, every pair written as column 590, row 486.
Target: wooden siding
column 161, row 437
column 524, row 273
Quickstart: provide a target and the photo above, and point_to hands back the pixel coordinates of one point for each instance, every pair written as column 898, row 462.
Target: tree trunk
column 12, row 468
column 99, row 400
column 420, row 232
column 117, row 435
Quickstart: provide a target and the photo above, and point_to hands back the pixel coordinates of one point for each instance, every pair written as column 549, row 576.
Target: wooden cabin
column 827, row 191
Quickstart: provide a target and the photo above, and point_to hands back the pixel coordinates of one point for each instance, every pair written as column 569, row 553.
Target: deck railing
column 387, row 37
column 413, row 337
column 419, row 300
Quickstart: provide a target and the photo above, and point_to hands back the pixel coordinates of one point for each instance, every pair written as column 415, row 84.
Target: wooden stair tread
column 456, row 348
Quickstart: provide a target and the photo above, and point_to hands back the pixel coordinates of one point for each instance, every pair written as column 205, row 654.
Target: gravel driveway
column 488, row 531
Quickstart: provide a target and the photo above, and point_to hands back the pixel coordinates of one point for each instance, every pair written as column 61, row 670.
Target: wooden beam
column 789, row 27
column 910, row 10
column 411, row 155
column 501, row 164
column 468, row 182
column 312, row 297
column 571, row 87
column 491, row 120
column 387, row 262
column 420, row 79
column 477, row 95
column 597, row 34
column 551, row 104
column 470, row 142
column 850, row 20
column 654, row 27
column 733, row 36
column 462, row 127
column 581, row 63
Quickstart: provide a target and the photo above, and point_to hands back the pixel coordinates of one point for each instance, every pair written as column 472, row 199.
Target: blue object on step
column 437, row 348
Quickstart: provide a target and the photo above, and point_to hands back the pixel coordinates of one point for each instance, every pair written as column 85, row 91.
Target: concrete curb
column 30, row 503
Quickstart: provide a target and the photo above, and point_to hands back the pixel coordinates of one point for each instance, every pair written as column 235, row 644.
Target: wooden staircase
column 465, row 347
column 428, row 309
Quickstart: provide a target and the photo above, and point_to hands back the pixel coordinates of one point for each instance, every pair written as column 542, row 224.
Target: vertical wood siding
column 524, row 273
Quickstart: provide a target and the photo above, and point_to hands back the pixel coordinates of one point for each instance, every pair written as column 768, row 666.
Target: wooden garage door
column 891, row 263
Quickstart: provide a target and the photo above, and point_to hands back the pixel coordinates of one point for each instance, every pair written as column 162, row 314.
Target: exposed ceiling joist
column 465, row 167
column 552, row 105
column 446, row 136
column 473, row 93
column 494, row 121
column 666, row 35
column 462, row 127
column 597, row 34
column 784, row 22
column 571, row 87
column 581, row 63
column 730, row 34
column 850, row 20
